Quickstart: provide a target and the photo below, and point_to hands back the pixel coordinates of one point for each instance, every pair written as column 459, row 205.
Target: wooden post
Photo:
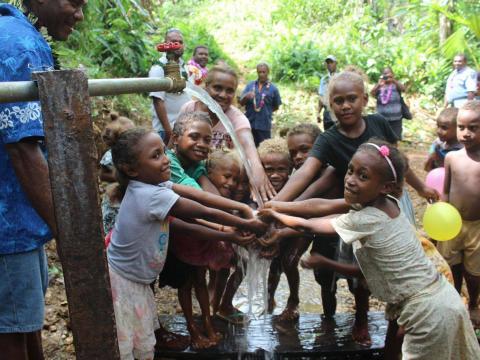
column 73, row 176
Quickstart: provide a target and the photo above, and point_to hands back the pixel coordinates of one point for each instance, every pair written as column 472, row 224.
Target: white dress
column 436, row 322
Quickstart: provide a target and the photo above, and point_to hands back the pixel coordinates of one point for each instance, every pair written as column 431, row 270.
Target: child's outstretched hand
column 256, row 226
column 429, row 193
column 271, row 237
column 241, row 238
column 267, row 215
column 313, row 261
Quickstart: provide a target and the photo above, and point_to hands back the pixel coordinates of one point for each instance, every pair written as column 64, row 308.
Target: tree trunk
column 445, row 25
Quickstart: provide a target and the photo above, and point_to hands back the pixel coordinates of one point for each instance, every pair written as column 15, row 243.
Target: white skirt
column 135, row 316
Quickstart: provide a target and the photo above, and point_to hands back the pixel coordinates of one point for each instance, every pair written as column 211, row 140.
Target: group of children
column 187, row 209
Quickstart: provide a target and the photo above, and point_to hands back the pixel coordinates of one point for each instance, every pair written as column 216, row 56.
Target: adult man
column 262, row 99
column 197, row 65
column 165, row 106
column 331, row 62
column 26, row 211
column 461, row 84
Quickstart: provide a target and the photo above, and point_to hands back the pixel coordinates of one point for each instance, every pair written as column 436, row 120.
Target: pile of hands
column 262, row 232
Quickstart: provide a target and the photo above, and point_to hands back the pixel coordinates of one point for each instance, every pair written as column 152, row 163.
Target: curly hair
column 449, row 114
column 186, row 119
column 472, row 105
column 309, row 129
column 348, row 76
column 221, row 156
column 273, row 146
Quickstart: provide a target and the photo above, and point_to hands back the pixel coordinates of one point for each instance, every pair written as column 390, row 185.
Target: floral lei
column 263, row 95
column 386, row 94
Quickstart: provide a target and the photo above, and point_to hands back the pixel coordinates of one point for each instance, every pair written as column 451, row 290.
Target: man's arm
column 31, row 169
column 159, row 106
column 310, row 208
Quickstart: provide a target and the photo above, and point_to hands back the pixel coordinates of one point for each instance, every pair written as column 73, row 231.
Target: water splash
column 204, row 97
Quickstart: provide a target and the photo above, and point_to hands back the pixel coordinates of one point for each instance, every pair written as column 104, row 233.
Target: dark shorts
column 327, row 119
column 260, row 135
column 23, row 283
column 397, row 127
column 328, row 247
column 175, row 273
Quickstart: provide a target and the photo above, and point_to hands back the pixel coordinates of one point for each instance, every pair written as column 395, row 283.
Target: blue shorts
column 23, row 283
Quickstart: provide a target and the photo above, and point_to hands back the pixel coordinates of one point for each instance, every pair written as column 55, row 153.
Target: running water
column 204, row 97
column 257, row 267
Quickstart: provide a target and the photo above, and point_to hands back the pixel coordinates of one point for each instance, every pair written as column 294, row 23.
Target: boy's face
column 277, row 167
column 446, row 130
column 225, row 177
column 242, row 192
column 299, row 146
column 468, row 129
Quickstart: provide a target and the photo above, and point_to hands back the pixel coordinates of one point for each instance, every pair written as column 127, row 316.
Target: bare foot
column 360, row 333
column 271, row 305
column 290, row 313
column 232, row 315
column 170, row 341
column 198, row 341
column 213, row 336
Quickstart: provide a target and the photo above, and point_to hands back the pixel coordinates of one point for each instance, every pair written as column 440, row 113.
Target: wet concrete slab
column 266, row 338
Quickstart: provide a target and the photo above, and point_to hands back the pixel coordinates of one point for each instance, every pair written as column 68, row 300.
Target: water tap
column 172, row 68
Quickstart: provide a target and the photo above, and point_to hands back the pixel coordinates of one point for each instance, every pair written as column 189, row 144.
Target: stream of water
column 257, row 267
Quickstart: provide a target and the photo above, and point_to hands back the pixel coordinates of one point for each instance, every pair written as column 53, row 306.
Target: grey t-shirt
column 139, row 244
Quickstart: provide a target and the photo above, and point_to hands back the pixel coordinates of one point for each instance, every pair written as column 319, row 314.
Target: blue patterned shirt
column 262, row 119
column 23, row 50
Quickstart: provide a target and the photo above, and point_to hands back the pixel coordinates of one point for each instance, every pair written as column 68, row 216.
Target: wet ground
column 266, row 338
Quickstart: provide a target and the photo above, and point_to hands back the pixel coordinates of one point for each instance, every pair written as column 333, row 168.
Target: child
column 117, row 125
column 391, row 258
column 335, row 147
column 462, row 177
column 223, row 168
column 275, row 157
column 139, row 243
column 192, row 134
column 446, row 141
column 221, row 84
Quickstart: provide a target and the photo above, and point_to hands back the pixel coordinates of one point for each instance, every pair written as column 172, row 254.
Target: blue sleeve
column 22, row 119
column 277, row 101
column 247, row 89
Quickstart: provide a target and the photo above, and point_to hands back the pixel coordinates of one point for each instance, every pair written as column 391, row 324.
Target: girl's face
column 277, row 167
column 222, row 89
column 299, row 146
column 364, row 182
column 347, row 101
column 153, row 165
column 242, row 192
column 225, row 177
column 194, row 144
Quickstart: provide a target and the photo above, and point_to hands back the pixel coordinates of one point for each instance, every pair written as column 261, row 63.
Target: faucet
column 172, row 68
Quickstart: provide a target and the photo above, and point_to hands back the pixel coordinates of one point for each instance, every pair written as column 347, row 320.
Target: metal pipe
column 17, row 91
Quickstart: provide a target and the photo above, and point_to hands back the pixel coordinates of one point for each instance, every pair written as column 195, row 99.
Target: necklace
column 262, row 94
column 386, row 94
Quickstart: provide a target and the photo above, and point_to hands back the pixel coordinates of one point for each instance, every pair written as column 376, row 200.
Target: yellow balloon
column 442, row 221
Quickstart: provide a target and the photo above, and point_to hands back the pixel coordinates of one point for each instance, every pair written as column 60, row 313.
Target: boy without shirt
column 462, row 179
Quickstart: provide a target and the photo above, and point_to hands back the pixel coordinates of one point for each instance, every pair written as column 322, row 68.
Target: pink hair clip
column 384, row 150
